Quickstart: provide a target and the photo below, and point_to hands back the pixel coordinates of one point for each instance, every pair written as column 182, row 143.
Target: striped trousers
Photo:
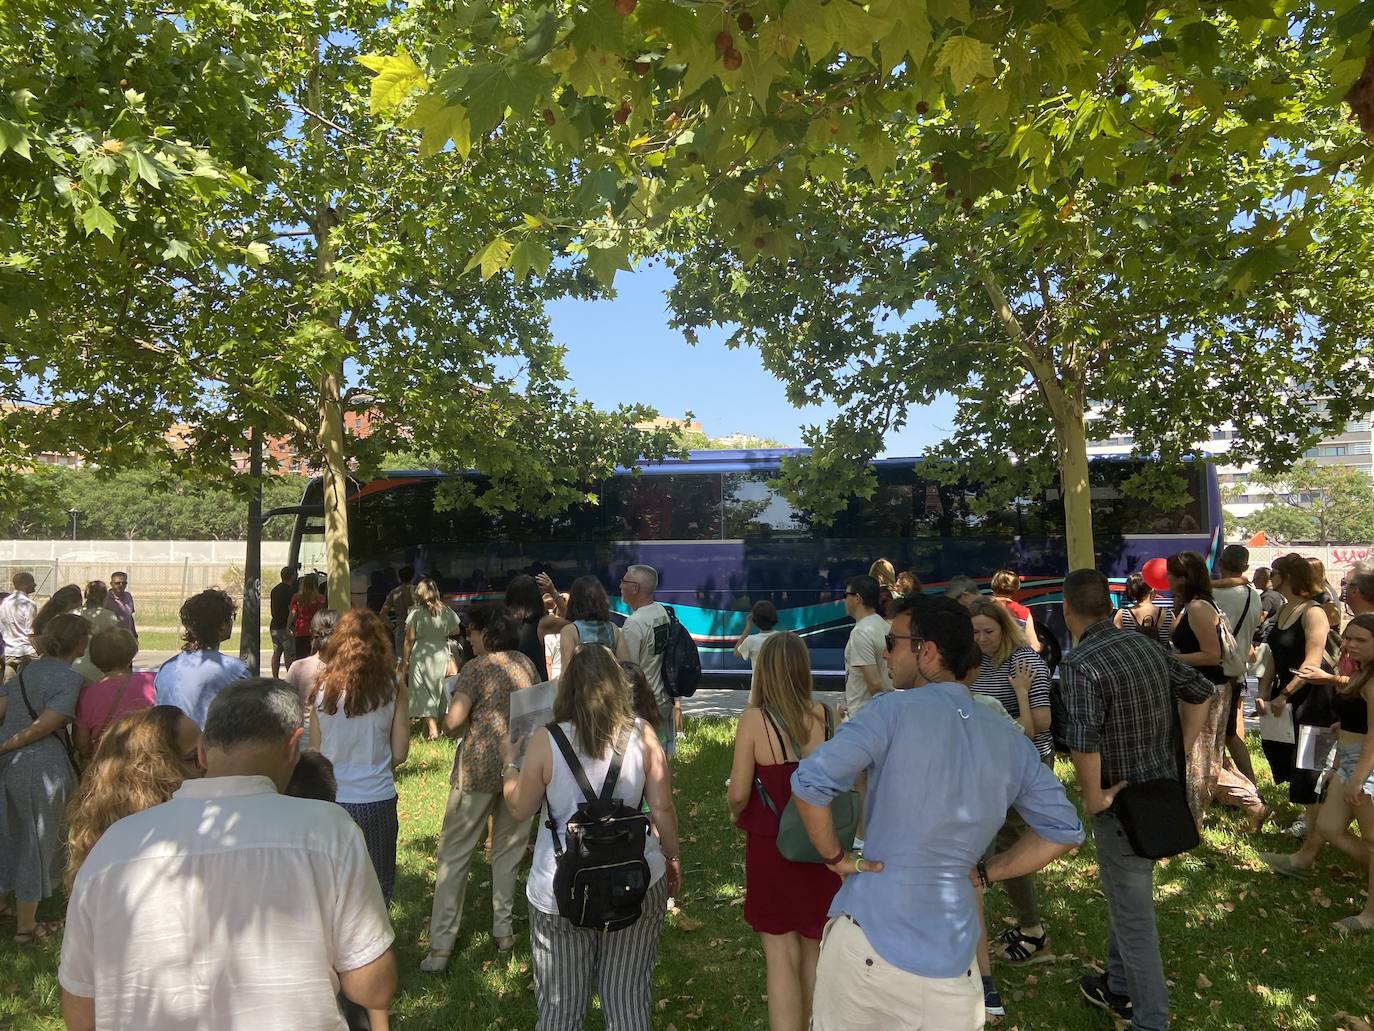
column 570, row 961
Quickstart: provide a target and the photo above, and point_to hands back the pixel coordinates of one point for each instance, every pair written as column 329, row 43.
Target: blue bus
column 722, row 538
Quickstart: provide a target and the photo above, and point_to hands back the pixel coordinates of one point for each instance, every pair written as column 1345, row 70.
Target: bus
column 722, row 537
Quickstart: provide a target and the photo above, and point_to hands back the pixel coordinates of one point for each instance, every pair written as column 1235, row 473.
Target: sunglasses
column 891, row 641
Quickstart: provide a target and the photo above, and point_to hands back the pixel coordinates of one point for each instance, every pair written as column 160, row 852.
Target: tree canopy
column 240, row 243
column 1095, row 198
column 1311, row 504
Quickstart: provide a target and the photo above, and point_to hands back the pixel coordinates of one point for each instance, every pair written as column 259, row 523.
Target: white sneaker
column 1299, row 829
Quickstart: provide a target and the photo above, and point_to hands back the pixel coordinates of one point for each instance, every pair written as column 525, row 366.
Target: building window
column 1360, row 448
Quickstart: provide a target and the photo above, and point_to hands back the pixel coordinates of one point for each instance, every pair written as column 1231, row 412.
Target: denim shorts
column 1346, row 759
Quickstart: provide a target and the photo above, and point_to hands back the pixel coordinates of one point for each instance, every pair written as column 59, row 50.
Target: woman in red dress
column 787, row 903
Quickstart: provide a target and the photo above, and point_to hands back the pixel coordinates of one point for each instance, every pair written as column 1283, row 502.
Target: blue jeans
column 1134, row 965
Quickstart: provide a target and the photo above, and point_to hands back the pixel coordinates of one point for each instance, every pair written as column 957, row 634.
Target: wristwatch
column 982, row 869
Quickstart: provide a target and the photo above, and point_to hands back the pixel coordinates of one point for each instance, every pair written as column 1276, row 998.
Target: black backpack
column 600, row 874
column 681, row 661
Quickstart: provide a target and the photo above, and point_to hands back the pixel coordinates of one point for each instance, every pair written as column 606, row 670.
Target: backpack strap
column 613, row 771
column 829, row 721
column 574, row 766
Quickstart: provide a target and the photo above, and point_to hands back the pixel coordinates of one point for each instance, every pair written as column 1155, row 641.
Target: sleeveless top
column 360, row 749
column 562, row 797
column 1164, row 622
column 1289, row 647
column 1185, row 641
column 595, row 631
column 1351, row 712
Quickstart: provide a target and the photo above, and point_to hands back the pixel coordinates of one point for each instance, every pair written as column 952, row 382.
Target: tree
column 696, row 440
column 139, row 504
column 806, row 139
column 1312, row 503
column 326, row 273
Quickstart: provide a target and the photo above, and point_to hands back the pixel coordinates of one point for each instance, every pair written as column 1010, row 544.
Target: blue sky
column 622, row 350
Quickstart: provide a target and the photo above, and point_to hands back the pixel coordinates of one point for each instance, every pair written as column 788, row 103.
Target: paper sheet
column 1277, row 728
column 1314, row 746
column 530, row 709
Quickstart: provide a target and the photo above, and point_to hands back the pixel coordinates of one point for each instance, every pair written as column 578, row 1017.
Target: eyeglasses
column 851, row 594
column 891, row 641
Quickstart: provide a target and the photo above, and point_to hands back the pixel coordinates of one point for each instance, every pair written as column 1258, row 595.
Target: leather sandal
column 39, row 931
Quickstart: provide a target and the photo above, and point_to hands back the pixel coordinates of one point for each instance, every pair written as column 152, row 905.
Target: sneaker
column 992, row 999
column 1096, row 993
column 1299, row 829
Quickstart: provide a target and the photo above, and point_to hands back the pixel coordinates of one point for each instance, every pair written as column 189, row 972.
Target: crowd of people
column 228, row 843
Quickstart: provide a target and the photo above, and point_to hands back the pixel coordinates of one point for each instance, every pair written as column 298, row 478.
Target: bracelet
column 510, row 766
column 982, row 869
column 834, row 859
column 670, row 859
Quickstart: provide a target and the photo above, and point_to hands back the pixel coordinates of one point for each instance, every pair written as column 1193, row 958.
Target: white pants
column 857, row 990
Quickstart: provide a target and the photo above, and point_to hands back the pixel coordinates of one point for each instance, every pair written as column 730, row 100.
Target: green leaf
column 13, row 137
column 257, row 254
column 530, row 255
column 396, row 78
column 96, row 219
column 492, row 258
column 605, row 262
column 440, row 122
column 965, row 58
column 486, row 88
column 143, row 167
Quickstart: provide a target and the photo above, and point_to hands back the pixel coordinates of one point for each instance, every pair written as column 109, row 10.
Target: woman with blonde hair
column 1006, row 585
column 593, row 718
column 358, row 722
column 141, row 761
column 785, row 902
column 424, row 663
column 886, row 574
column 1017, row 678
column 37, row 772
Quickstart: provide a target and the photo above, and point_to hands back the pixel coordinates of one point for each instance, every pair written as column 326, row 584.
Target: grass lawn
column 1243, row 949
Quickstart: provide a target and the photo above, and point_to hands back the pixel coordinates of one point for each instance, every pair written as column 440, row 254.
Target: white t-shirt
column 17, row 614
column 646, row 643
column 1231, row 601
column 228, row 906
column 562, row 798
column 360, row 749
column 750, row 646
column 866, row 647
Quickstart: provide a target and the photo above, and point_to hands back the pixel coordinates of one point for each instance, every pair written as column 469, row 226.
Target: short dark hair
column 314, row 778
column 1235, row 558
column 206, row 617
column 1136, row 589
column 259, row 710
column 944, row 623
column 1088, row 594
column 1260, row 575
column 765, row 615
column 866, row 588
column 500, row 633
column 287, row 571
column 406, row 574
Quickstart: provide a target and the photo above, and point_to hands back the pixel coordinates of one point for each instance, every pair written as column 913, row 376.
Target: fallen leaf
column 1202, row 982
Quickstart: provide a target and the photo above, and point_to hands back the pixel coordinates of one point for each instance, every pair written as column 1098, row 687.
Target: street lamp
column 73, row 512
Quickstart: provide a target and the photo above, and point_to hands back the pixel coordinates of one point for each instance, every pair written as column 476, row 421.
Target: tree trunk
column 330, row 435
column 1070, row 432
column 331, row 441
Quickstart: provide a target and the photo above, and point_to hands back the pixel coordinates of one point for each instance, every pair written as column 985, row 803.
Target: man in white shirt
column 865, row 655
column 643, row 639
column 17, row 612
column 1243, row 606
column 230, row 906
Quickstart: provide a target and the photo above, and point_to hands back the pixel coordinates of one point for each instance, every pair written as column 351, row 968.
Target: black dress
column 533, row 647
column 1309, row 705
column 1186, row 642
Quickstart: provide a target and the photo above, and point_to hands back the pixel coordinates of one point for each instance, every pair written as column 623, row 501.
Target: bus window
column 663, row 508
column 1117, row 513
column 753, row 508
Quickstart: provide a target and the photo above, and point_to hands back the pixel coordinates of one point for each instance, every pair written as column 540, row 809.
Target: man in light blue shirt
column 942, row 773
column 191, row 680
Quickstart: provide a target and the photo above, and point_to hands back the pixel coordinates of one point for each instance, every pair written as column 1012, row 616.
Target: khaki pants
column 858, row 990
column 465, row 822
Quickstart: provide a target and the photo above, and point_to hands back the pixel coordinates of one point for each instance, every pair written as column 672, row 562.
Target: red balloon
column 1156, row 574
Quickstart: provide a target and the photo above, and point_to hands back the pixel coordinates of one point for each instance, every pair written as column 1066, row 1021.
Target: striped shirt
column 994, row 680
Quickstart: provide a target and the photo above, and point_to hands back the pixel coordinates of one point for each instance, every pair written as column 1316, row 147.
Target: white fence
column 227, row 553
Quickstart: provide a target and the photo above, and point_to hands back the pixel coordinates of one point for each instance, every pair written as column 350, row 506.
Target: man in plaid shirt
column 1119, row 690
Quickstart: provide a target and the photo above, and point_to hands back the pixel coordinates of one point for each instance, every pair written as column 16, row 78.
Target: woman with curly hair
column 359, row 722
column 142, row 759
